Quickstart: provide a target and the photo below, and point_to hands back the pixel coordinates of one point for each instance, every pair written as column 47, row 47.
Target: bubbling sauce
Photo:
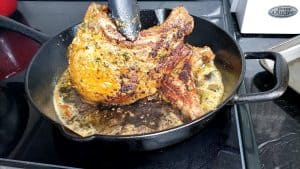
column 147, row 115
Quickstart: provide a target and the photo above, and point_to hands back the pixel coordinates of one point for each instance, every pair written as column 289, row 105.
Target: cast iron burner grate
column 13, row 116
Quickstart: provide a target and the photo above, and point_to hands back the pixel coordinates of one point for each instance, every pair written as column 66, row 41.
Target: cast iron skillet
column 50, row 61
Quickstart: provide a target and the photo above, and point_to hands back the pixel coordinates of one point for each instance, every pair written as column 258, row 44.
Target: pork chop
column 106, row 68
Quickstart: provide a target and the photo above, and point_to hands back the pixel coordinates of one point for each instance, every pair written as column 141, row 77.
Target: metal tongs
column 125, row 13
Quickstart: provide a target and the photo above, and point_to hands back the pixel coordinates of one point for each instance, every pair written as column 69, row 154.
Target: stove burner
column 13, row 116
column 209, row 141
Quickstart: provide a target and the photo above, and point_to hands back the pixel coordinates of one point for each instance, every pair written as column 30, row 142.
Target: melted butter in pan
column 147, row 115
column 144, row 116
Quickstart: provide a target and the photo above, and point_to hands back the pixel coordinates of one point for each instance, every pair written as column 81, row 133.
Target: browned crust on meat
column 179, row 89
column 167, row 64
column 120, row 72
column 152, row 46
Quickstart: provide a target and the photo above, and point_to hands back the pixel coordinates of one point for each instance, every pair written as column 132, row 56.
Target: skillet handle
column 281, row 73
column 10, row 24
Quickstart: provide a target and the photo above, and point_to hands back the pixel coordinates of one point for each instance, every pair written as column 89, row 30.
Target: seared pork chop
column 184, row 86
column 106, row 68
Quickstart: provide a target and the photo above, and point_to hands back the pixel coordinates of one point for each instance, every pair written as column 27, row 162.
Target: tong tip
column 126, row 16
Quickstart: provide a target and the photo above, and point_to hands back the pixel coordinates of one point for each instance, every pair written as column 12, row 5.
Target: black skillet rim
column 151, row 134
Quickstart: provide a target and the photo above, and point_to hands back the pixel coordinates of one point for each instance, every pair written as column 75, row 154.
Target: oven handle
column 11, row 24
column 281, row 73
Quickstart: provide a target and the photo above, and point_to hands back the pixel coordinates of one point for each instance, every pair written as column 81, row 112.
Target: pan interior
column 50, row 62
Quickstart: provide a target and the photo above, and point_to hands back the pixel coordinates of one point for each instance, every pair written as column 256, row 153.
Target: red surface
column 7, row 7
column 16, row 51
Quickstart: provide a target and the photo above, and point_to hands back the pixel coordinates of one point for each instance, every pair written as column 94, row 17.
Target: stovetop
column 227, row 142
column 276, row 123
column 214, row 147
